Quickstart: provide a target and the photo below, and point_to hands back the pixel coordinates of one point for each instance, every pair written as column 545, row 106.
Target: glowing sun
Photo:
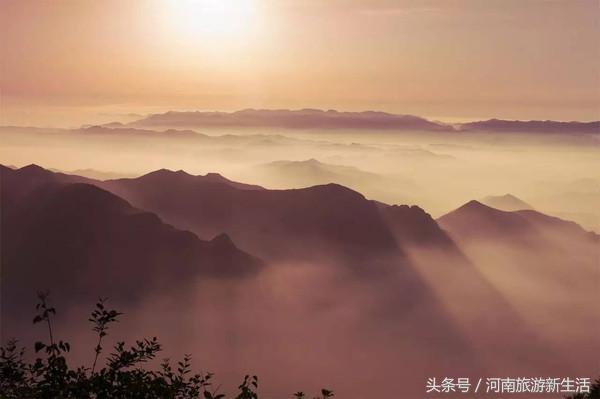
column 213, row 19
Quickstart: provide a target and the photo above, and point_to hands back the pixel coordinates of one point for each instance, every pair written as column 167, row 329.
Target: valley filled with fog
column 232, row 244
column 554, row 173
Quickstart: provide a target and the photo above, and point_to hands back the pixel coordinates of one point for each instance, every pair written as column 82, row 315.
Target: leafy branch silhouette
column 122, row 376
column 594, row 392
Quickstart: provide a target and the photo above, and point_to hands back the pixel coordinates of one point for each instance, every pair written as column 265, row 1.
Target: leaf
column 39, row 346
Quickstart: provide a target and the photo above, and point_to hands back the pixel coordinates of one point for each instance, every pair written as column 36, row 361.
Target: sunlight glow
column 212, row 19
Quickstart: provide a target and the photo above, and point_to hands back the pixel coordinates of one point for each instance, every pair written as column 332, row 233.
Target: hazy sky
column 66, row 62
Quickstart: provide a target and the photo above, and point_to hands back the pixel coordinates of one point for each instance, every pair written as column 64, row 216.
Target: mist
column 554, row 173
column 372, row 326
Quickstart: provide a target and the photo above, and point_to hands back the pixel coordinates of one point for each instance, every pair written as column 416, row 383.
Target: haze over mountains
column 397, row 281
column 74, row 228
column 506, row 202
column 264, row 220
column 395, row 166
column 309, row 172
column 304, row 118
column 179, row 123
column 412, row 167
column 364, row 196
column 475, row 220
column 325, row 239
column 332, row 119
column 498, row 125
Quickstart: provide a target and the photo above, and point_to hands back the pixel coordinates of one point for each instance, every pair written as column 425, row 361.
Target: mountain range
column 506, row 202
column 499, row 125
column 271, row 223
column 305, row 173
column 298, row 221
column 475, row 220
column 282, row 118
column 159, row 233
column 328, row 220
column 65, row 233
column 332, row 119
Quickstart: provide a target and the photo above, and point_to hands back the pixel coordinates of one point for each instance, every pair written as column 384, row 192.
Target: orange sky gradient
column 70, row 62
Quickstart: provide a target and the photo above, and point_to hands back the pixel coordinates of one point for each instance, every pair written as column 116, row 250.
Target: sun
column 213, row 19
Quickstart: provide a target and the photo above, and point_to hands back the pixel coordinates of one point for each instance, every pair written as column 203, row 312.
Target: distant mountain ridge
column 178, row 124
column 304, row 118
column 312, row 171
column 534, row 126
column 305, row 223
column 158, row 176
column 332, row 119
column 120, row 129
column 506, row 202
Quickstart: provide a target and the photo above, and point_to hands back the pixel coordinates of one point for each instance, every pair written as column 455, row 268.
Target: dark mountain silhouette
column 28, row 178
column 540, row 263
column 328, row 218
column 475, row 220
column 180, row 177
column 499, row 125
column 107, row 247
column 62, row 227
column 304, row 118
column 557, row 226
column 207, row 178
column 217, row 178
column 507, row 202
column 81, row 240
column 411, row 224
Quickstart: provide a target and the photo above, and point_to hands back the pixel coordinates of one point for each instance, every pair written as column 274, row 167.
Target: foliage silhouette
column 593, row 394
column 122, row 376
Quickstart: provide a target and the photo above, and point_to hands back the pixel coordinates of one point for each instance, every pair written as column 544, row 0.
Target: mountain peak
column 312, row 162
column 475, row 219
column 33, row 171
column 214, row 175
column 181, row 177
column 506, row 202
column 474, row 205
column 166, row 173
column 223, row 241
column 32, row 168
column 334, row 188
